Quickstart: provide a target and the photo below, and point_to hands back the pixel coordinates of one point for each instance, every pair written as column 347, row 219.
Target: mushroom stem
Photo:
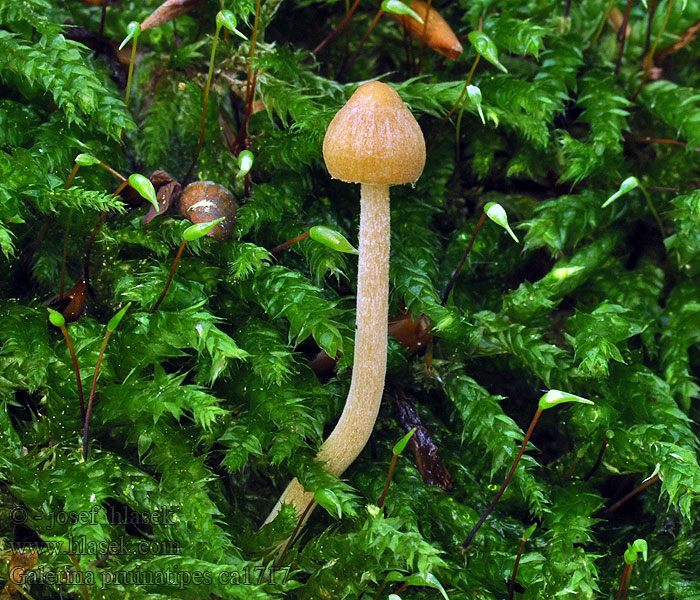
column 356, row 422
column 369, row 363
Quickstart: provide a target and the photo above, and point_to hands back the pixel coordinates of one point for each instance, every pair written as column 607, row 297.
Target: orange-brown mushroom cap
column 374, row 139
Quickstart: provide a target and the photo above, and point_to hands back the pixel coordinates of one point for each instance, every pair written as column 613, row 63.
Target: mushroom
column 373, row 140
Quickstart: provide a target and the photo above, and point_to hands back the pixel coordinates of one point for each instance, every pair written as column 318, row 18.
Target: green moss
column 205, row 409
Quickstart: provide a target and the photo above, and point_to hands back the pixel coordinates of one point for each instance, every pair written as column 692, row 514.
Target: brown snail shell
column 204, row 201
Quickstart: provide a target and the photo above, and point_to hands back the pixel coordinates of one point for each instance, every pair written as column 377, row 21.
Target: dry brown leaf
column 168, row 190
column 413, row 334
column 72, row 304
column 426, row 453
column 20, row 563
column 166, row 12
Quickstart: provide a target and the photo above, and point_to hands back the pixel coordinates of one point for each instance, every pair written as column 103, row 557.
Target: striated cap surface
column 374, row 139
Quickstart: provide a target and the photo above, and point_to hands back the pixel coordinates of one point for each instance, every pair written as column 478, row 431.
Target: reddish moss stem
column 649, row 58
column 96, row 229
column 392, row 466
column 355, row 54
column 76, row 564
column 650, row 19
column 88, row 413
column 71, row 177
column 599, row 460
column 69, row 182
column 491, row 506
column 458, row 270
column 88, row 248
column 511, row 585
column 634, row 138
column 292, row 537
column 622, row 36
column 241, row 142
column 456, row 104
column 380, row 590
column 249, row 100
column 288, row 243
column 633, row 493
column 170, row 277
column 424, row 36
column 207, row 88
column 116, row 174
column 251, row 80
column 626, row 572
column 335, row 32
column 76, row 368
